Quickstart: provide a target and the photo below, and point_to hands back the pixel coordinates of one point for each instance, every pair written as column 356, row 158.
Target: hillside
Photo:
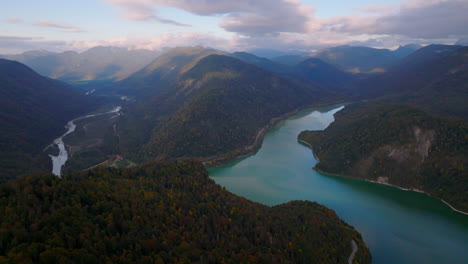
column 262, row 63
column 324, row 74
column 398, row 145
column 356, row 59
column 162, row 72
column 218, row 107
column 434, row 78
column 162, row 213
column 33, row 111
column 95, row 64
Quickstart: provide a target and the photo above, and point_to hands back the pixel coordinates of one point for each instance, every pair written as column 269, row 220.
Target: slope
column 398, row 145
column 434, row 78
column 356, row 59
column 162, row 71
column 162, row 213
column 33, row 111
column 216, row 107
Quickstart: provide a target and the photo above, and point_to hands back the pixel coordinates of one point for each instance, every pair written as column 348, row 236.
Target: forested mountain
column 406, row 50
column 324, row 74
column 356, row 59
column 399, row 145
column 98, row 63
column 353, row 59
column 310, row 70
column 263, row 63
column 216, row 107
column 33, row 111
column 163, row 71
column 434, row 78
column 162, row 213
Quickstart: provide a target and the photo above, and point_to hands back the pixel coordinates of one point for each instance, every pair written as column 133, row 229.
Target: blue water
column 398, row 226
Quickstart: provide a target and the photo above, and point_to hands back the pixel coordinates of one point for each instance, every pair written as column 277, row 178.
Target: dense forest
column 161, row 213
column 33, row 111
column 216, row 108
column 399, row 145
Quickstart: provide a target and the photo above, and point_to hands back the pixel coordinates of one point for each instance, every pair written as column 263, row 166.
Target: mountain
column 434, row 78
column 309, row 69
column 162, row 71
column 398, row 145
column 33, row 111
column 217, row 108
column 406, row 50
column 290, row 60
column 263, row 63
column 324, row 74
column 271, row 53
column 98, row 63
column 356, row 59
column 162, row 213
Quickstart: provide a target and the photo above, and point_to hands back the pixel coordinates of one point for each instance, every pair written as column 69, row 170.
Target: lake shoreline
column 220, row 160
column 378, row 182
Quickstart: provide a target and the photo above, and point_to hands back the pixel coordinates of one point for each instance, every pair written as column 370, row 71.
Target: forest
column 161, row 213
column 399, row 144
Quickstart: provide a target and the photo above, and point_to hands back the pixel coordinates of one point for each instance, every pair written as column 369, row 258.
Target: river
column 59, row 160
column 398, row 226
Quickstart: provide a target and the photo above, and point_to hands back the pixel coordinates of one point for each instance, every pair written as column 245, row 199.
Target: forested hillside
column 399, row 145
column 33, row 111
column 434, row 78
column 161, row 213
column 217, row 107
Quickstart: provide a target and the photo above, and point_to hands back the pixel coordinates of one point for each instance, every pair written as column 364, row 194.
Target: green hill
column 33, row 111
column 162, row 213
column 398, row 145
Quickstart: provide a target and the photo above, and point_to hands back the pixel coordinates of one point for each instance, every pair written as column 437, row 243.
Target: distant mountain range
column 434, row 78
column 353, row 59
column 33, row 111
column 98, row 63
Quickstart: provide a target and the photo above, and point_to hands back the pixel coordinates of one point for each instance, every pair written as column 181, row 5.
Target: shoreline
column 221, row 160
column 383, row 183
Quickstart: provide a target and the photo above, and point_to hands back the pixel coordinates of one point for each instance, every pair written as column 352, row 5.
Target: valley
column 90, row 137
column 162, row 149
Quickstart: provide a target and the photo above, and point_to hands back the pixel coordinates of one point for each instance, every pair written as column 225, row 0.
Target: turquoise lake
column 398, row 226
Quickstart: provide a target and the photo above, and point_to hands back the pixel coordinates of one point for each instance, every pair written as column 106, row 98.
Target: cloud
column 417, row 19
column 142, row 10
column 14, row 20
column 64, row 27
column 17, row 44
column 245, row 17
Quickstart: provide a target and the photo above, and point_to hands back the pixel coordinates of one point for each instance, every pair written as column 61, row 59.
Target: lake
column 398, row 226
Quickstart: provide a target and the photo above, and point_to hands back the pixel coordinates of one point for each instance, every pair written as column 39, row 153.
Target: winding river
column 398, row 226
column 59, row 160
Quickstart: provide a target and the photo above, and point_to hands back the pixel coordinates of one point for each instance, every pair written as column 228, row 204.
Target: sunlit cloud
column 64, row 27
column 14, row 20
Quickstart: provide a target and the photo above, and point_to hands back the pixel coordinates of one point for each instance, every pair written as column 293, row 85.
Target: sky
column 59, row 25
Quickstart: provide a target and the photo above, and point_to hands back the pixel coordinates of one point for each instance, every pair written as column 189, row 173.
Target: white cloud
column 428, row 19
column 64, row 27
column 245, row 17
column 14, row 20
